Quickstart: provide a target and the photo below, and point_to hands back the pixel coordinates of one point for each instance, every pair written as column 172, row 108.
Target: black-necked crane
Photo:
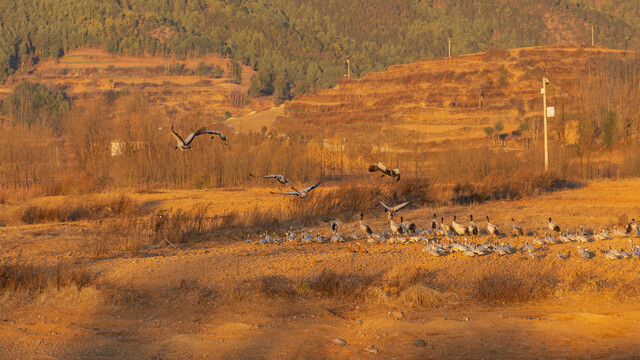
column 396, row 228
column 632, row 227
column 364, row 227
column 281, row 179
column 553, row 226
column 393, row 173
column 472, row 228
column 300, row 193
column 445, row 227
column 492, row 229
column 459, row 228
column 393, row 210
column 517, row 229
column 434, row 223
column 185, row 144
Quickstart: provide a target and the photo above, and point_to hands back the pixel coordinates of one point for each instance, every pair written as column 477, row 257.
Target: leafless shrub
column 276, row 285
column 422, row 296
column 124, row 234
column 501, row 286
column 344, row 286
column 179, row 227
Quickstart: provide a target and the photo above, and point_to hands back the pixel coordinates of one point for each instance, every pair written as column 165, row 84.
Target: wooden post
column 449, row 40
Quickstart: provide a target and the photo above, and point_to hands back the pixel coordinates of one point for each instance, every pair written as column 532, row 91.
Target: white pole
column 544, row 102
column 348, row 69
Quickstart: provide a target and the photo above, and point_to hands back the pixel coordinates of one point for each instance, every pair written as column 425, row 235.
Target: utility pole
column 545, row 81
column 449, row 39
column 348, row 69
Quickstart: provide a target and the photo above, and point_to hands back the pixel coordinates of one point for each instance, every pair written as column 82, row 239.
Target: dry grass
column 180, row 227
column 32, row 279
column 342, row 286
column 126, row 234
column 421, row 296
column 504, row 288
column 83, row 208
column 497, row 187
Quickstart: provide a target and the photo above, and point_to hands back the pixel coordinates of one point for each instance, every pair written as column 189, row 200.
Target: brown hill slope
column 171, row 85
column 447, row 98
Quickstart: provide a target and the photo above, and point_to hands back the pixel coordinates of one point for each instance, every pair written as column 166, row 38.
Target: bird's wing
column 290, row 183
column 373, row 168
column 215, row 133
column 178, row 138
column 388, row 209
column 191, row 136
column 400, row 206
column 311, row 187
column 381, row 167
column 212, row 132
column 287, row 193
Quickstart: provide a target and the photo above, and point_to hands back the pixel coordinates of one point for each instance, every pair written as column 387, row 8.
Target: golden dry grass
column 215, row 277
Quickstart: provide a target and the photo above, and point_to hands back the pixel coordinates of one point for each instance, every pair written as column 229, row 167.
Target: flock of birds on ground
column 440, row 238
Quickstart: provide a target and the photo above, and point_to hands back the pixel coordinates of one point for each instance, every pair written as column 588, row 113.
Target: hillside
column 303, row 45
column 449, row 98
column 174, row 87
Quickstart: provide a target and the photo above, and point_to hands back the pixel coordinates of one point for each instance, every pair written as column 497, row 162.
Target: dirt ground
column 185, row 302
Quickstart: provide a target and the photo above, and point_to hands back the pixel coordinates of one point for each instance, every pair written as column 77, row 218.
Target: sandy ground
column 181, row 303
column 257, row 120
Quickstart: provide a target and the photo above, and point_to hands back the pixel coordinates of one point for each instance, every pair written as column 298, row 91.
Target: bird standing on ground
column 553, row 226
column 517, row 230
column 459, row 228
column 395, row 173
column 491, row 228
column 396, row 228
column 472, row 228
column 364, row 227
column 300, row 193
column 445, row 227
column 334, row 225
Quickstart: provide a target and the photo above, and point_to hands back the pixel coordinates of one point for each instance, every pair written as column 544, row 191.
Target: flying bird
column 393, row 210
column 281, row 179
column 395, row 173
column 186, row 143
column 220, row 135
column 300, row 193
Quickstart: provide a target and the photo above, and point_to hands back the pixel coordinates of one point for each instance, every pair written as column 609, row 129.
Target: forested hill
column 305, row 43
